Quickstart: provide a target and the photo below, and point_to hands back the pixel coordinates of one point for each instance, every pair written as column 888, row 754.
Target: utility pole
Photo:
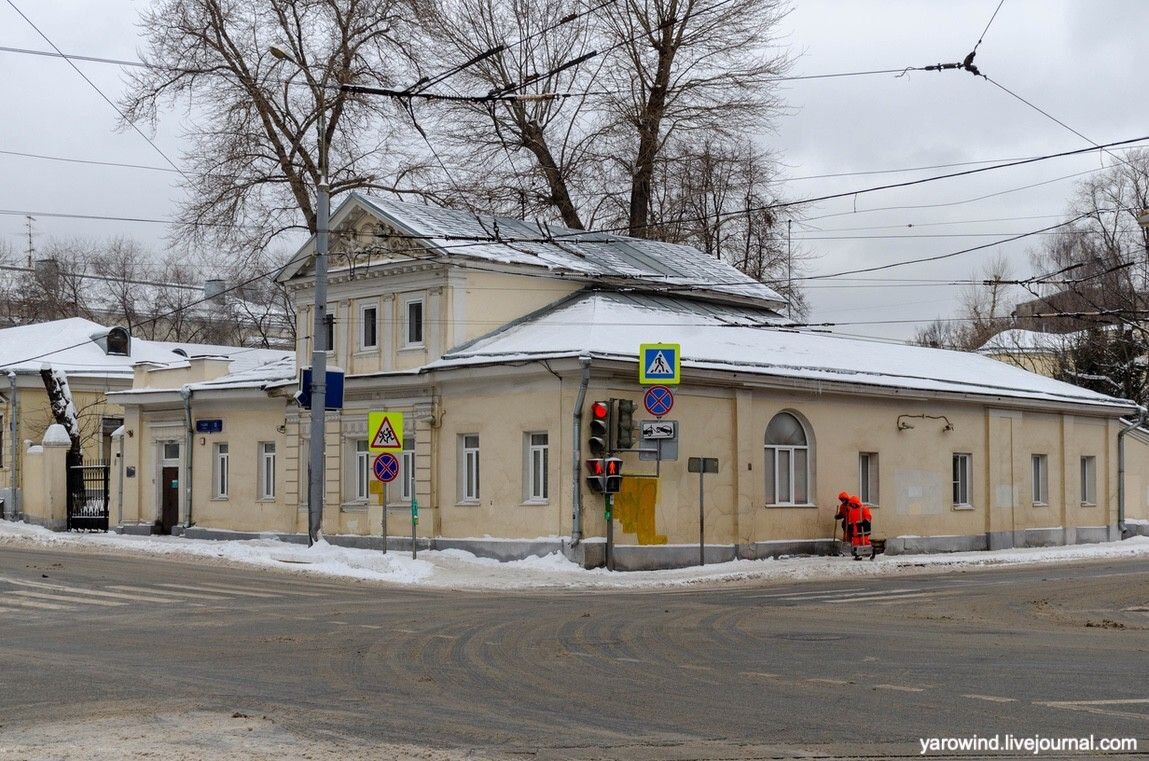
column 317, row 459
column 28, row 220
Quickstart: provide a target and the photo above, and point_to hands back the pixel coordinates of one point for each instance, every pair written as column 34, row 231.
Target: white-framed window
column 413, row 322
column 171, row 450
column 537, row 466
column 402, row 489
column 469, row 467
column 368, row 325
column 962, row 476
column 1040, row 476
column 1089, row 480
column 329, row 330
column 219, row 472
column 868, row 477
column 361, row 471
column 266, row 488
column 787, row 461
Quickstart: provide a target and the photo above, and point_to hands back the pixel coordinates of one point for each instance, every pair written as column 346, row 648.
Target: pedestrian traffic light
column 600, row 428
column 613, row 479
column 623, row 424
column 596, row 474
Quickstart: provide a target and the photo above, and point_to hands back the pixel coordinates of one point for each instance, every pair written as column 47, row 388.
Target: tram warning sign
column 385, row 429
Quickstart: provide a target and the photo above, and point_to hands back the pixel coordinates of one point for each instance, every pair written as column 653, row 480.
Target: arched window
column 787, row 461
column 119, row 342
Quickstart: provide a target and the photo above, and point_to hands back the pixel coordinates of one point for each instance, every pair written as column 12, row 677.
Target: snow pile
column 458, row 569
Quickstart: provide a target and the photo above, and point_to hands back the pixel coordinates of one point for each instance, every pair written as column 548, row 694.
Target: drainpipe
column 1142, row 414
column 118, row 435
column 13, row 510
column 576, row 449
column 189, row 439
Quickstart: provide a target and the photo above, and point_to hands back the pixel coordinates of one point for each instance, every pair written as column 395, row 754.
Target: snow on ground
column 457, row 569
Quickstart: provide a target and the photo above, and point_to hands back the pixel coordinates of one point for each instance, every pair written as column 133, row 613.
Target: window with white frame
column 219, row 473
column 361, row 470
column 266, row 470
column 1040, row 477
column 402, row 489
column 469, row 467
column 962, row 475
column 868, row 477
column 368, row 326
column 538, row 464
column 1089, row 480
column 413, row 323
column 329, row 331
column 787, row 461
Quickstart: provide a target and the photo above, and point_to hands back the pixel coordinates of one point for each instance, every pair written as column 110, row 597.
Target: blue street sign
column 659, row 363
column 386, row 467
column 658, row 400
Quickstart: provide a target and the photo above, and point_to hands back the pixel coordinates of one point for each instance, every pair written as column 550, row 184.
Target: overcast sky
column 1080, row 62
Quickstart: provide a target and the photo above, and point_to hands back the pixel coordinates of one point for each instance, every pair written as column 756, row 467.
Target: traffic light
column 613, row 480
column 624, row 424
column 596, row 474
column 600, row 428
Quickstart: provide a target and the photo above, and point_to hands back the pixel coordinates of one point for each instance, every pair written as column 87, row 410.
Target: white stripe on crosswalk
column 34, row 604
column 62, row 598
column 89, row 592
column 889, row 597
column 166, row 592
column 220, row 589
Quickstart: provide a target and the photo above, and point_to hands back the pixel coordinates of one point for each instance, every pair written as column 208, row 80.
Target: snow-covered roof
column 72, row 345
column 1028, row 342
column 612, row 325
column 577, row 254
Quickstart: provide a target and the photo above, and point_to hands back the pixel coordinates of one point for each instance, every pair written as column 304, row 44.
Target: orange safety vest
column 859, row 519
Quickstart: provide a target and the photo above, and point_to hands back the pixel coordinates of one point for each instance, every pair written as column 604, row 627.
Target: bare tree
column 261, row 119
column 650, row 75
column 985, row 311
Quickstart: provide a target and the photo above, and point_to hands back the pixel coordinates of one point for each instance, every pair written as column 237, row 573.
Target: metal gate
column 88, row 497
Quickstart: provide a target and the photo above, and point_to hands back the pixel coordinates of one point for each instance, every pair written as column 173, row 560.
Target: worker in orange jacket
column 842, row 515
column 859, row 518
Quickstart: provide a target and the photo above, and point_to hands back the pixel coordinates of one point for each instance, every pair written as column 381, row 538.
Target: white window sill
column 964, row 508
column 468, row 502
column 412, row 348
column 535, row 502
column 266, row 500
column 1041, row 504
column 1089, row 504
column 787, row 506
column 353, row 507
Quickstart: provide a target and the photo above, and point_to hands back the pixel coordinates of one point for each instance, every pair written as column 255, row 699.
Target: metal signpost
column 702, row 466
column 414, row 525
column 386, row 469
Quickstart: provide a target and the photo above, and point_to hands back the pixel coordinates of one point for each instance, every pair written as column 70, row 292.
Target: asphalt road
column 184, row 660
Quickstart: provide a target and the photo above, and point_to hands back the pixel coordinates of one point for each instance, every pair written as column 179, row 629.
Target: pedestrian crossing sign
column 384, row 430
column 659, row 364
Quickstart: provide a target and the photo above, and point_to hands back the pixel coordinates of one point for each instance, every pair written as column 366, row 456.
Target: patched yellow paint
column 634, row 509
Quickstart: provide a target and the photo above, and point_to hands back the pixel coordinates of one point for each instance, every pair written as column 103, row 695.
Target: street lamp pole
column 317, row 453
column 317, row 462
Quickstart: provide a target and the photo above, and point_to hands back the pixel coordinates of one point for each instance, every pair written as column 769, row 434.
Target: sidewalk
column 455, row 569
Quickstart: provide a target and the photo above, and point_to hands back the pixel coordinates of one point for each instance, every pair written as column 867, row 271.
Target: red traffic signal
column 599, row 440
column 596, row 474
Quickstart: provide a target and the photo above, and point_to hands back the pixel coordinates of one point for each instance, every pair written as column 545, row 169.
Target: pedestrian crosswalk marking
column 888, row 598
column 40, row 605
column 87, row 592
column 167, row 592
column 225, row 590
column 60, row 598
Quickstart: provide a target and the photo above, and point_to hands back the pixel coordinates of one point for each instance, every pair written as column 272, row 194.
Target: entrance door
column 169, row 498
